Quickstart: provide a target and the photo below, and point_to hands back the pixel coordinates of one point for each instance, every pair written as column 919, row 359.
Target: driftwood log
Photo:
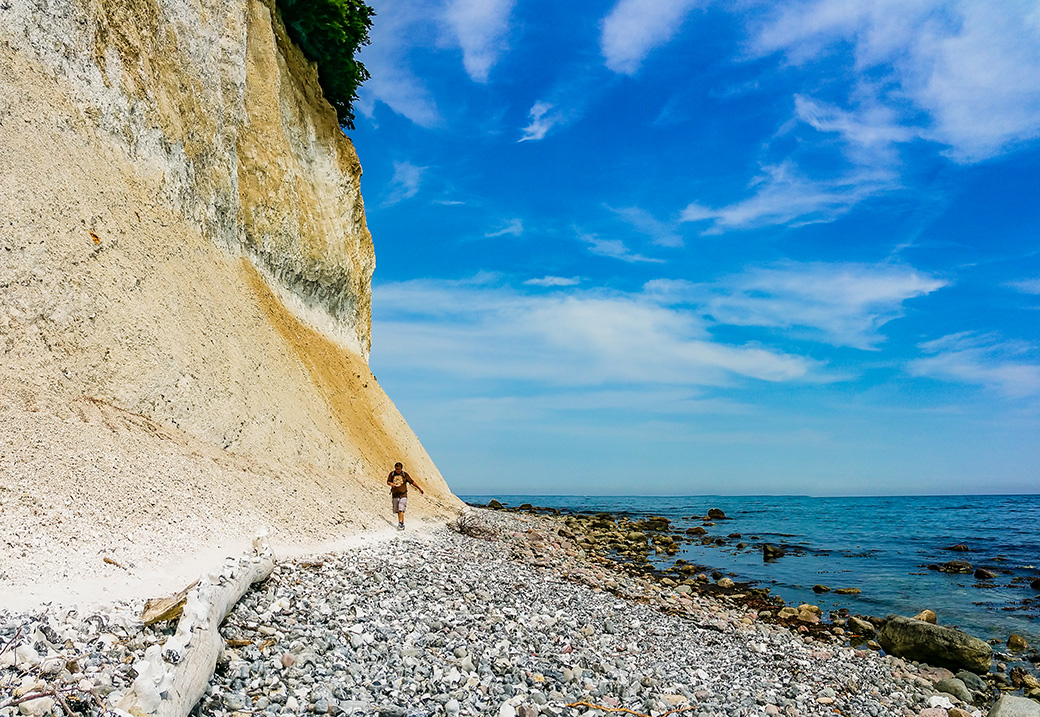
column 167, row 608
column 173, row 677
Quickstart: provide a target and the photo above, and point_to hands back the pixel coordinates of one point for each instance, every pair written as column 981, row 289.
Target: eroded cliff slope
column 184, row 296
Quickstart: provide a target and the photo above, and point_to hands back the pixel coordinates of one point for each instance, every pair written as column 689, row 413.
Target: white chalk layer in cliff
column 185, row 295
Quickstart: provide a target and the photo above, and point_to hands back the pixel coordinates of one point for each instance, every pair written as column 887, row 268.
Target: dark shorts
column 399, row 503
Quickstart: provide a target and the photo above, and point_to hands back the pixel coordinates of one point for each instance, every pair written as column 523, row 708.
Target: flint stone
column 1011, row 706
column 36, row 708
column 943, row 646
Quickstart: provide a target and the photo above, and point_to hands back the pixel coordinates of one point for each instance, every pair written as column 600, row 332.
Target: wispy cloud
column 513, row 227
column 542, row 118
column 548, row 281
column 615, row 249
column 660, row 232
column 1007, row 367
column 838, row 304
column 973, row 68
column 480, row 28
column 783, row 195
column 405, row 182
column 633, row 28
column 870, row 132
column 1026, row 286
column 570, row 338
column 386, row 57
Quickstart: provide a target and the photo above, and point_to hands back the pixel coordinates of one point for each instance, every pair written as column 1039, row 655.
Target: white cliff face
column 185, row 278
column 211, row 101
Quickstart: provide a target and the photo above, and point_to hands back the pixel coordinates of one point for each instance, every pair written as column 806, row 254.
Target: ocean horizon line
column 747, row 495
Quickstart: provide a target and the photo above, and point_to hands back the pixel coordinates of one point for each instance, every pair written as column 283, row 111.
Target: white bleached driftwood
column 173, row 677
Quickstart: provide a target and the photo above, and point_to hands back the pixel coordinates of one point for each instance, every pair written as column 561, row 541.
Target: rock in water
column 716, row 514
column 1017, row 643
column 959, row 548
column 942, row 646
column 861, row 627
column 771, row 552
column 927, row 616
column 1011, row 706
column 983, row 574
column 957, row 566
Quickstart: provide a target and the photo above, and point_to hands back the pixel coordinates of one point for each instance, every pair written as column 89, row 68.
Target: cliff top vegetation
column 330, row 32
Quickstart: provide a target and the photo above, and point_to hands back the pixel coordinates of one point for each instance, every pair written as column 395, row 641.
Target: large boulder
column 1011, row 706
column 934, row 644
column 716, row 514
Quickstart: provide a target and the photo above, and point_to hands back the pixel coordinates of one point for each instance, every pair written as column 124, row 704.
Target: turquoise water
column 880, row 545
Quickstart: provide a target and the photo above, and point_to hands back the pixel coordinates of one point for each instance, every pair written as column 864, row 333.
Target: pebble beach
column 512, row 619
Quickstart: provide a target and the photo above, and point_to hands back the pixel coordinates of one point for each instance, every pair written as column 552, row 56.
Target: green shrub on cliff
column 330, row 32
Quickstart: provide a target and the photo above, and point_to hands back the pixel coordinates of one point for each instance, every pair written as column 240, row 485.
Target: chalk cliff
column 185, row 296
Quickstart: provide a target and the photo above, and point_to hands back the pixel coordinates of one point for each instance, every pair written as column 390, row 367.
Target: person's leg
column 402, row 505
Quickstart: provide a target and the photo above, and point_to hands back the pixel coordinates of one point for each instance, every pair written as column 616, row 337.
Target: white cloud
column 393, row 35
column 635, row 27
column 479, row 27
column 1026, row 286
column 514, row 227
column 784, row 196
column 839, row 304
column 870, row 132
column 981, row 361
column 542, row 120
column 554, row 281
column 615, row 249
column 662, row 233
column 405, row 183
column 576, row 339
column 974, row 68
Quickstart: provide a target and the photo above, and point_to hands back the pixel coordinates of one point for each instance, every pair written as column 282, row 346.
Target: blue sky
column 675, row 247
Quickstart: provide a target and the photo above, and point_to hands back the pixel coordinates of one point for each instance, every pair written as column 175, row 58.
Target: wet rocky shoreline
column 505, row 614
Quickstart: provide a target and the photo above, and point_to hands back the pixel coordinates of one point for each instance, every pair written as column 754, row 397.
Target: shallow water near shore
column 881, row 545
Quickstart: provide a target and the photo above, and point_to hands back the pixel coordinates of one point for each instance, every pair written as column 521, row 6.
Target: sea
column 881, row 545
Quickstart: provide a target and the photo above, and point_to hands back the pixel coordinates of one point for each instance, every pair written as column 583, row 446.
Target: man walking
column 398, row 481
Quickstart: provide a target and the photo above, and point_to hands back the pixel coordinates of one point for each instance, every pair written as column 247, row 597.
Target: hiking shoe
column 400, row 526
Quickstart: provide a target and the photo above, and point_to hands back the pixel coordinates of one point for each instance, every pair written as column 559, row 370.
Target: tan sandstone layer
column 184, row 301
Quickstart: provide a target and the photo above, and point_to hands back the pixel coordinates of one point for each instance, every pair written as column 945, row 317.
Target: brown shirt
column 398, row 483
